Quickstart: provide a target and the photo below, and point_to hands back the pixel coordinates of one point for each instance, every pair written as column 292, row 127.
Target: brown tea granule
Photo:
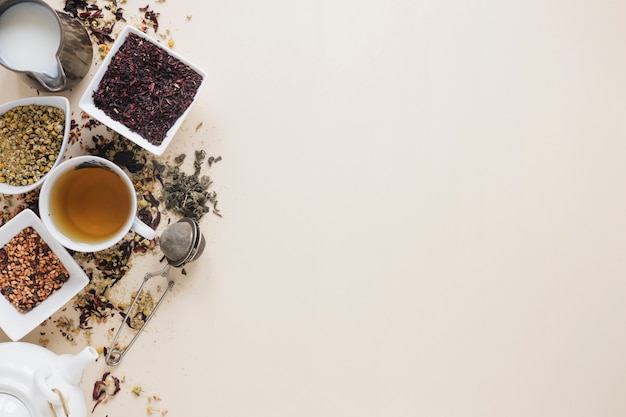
column 29, row 271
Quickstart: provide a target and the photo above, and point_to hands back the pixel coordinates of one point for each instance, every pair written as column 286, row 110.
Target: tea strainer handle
column 115, row 354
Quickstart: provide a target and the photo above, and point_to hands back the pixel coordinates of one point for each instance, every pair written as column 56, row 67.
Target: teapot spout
column 71, row 367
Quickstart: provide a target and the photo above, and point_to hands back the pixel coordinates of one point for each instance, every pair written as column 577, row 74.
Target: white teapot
column 35, row 382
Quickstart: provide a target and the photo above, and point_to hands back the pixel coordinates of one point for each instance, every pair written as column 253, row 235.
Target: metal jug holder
column 181, row 243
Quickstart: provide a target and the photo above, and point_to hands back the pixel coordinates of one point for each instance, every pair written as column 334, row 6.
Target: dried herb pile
column 101, row 21
column 146, row 89
column 30, row 141
column 29, row 270
column 187, row 195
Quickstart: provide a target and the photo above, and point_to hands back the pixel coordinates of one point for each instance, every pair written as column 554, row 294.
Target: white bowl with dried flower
column 38, row 276
column 35, row 133
column 143, row 90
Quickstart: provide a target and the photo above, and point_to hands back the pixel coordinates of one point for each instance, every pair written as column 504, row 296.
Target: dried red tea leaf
column 154, row 18
column 97, row 24
column 146, row 89
column 101, row 389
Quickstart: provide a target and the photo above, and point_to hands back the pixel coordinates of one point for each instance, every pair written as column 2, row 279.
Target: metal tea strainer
column 181, row 243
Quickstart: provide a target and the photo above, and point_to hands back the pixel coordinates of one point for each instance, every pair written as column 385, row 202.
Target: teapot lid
column 11, row 406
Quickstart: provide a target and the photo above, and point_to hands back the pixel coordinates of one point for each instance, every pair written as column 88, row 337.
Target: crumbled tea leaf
column 150, row 17
column 99, row 24
column 183, row 194
column 200, row 155
column 212, row 160
column 180, row 158
column 187, row 195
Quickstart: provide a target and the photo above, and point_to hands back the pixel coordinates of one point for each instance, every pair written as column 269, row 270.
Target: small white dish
column 15, row 324
column 53, row 101
column 86, row 102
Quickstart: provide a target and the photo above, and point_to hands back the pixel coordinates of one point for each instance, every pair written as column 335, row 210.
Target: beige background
column 424, row 213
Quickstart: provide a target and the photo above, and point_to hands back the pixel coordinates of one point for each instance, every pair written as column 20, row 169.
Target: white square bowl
column 86, row 102
column 15, row 324
column 52, row 101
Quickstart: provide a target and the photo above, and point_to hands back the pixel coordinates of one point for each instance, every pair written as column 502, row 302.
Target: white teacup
column 88, row 204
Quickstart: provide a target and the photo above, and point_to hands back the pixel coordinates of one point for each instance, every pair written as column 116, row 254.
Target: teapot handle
column 41, row 381
column 54, row 396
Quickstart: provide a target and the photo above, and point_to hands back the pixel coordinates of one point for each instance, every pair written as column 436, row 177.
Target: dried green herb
column 212, row 160
column 183, row 194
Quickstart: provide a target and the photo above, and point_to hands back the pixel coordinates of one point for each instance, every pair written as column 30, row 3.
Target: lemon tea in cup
column 88, row 203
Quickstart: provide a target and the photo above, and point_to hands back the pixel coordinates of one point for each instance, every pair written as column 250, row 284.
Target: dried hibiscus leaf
column 151, row 17
column 146, row 89
column 102, row 388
